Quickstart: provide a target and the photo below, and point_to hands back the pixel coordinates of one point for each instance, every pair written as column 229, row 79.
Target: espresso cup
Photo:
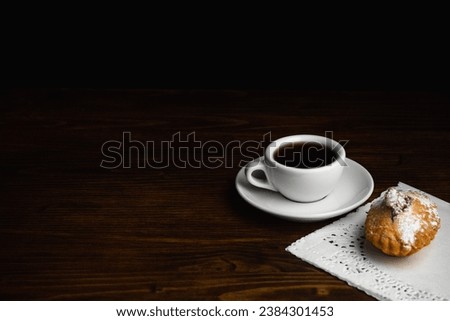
column 303, row 168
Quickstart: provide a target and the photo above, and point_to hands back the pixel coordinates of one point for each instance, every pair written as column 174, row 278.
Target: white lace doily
column 341, row 249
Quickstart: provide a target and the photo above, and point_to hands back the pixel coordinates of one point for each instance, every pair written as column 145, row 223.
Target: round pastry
column 400, row 223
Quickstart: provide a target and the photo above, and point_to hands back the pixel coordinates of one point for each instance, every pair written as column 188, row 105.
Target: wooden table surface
column 72, row 230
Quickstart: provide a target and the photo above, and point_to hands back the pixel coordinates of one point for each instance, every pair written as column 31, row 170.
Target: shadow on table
column 258, row 217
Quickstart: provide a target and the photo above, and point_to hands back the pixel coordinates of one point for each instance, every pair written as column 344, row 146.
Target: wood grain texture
column 71, row 230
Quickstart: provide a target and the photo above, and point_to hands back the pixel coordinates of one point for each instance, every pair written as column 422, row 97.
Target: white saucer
column 354, row 188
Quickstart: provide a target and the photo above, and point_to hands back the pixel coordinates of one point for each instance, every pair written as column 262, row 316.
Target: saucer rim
column 310, row 217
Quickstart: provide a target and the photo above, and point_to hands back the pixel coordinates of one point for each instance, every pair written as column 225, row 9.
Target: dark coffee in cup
column 304, row 155
column 312, row 167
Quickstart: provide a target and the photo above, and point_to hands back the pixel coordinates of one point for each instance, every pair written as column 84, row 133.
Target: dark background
column 329, row 69
column 294, row 49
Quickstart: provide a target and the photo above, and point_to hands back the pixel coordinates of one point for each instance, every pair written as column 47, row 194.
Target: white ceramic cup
column 298, row 184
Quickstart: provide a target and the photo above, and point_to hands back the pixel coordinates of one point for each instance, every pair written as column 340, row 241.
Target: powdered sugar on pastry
column 401, row 222
column 408, row 222
column 428, row 203
column 408, row 225
column 398, row 201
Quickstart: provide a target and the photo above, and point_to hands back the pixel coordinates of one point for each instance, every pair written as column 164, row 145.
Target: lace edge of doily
column 425, row 295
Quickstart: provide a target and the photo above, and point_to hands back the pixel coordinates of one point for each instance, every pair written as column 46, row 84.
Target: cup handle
column 258, row 164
